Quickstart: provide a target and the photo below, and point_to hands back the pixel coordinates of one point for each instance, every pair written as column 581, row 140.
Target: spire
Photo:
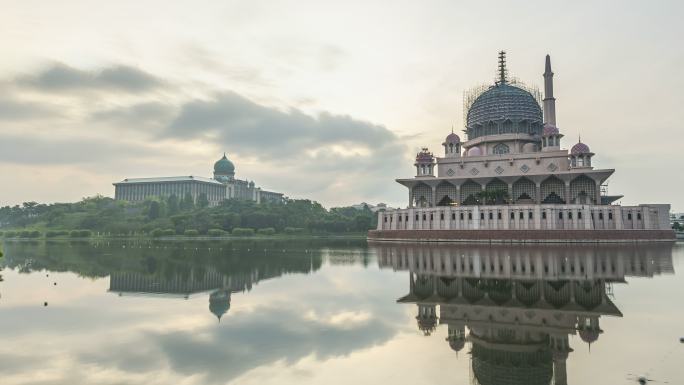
column 502, row 68
column 549, row 100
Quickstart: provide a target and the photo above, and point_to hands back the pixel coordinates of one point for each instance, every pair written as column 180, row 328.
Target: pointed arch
column 446, row 194
column 422, row 195
column 497, row 191
column 524, row 191
column 583, row 190
column 553, row 190
column 469, row 191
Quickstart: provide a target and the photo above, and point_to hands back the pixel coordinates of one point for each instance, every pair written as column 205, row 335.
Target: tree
column 202, row 200
column 154, row 211
column 188, row 203
column 172, row 204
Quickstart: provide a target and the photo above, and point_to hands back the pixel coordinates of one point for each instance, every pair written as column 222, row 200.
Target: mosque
column 513, row 176
column 222, row 186
column 516, row 310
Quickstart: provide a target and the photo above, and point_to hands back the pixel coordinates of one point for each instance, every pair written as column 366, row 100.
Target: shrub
column 168, row 232
column 216, row 233
column 10, row 234
column 191, row 233
column 266, row 231
column 293, row 230
column 56, row 233
column 157, row 232
column 29, row 234
column 240, row 231
column 80, row 233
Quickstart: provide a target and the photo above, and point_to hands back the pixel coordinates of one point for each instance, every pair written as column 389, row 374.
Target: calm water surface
column 339, row 312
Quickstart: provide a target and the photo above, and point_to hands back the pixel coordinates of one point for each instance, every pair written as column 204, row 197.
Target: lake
column 339, row 312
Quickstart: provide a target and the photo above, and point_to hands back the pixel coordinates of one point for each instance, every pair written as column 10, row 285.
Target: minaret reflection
column 519, row 303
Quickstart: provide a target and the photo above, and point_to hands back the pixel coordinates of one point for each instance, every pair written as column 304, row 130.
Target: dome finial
column 502, row 67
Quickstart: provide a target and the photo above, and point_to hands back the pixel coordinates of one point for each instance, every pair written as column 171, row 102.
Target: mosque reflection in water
column 519, row 304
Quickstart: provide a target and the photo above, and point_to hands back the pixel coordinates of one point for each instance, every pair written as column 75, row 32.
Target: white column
column 476, row 217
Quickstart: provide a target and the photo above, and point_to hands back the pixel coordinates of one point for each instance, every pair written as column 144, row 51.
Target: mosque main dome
column 502, row 102
column 503, row 108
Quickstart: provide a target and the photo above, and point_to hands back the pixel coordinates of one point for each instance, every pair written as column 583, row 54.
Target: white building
column 513, row 174
column 223, row 186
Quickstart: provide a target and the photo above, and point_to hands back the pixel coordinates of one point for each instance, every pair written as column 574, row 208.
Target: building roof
column 580, row 148
column 163, row 179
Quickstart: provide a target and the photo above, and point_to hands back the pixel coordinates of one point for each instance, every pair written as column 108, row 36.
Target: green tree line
column 179, row 216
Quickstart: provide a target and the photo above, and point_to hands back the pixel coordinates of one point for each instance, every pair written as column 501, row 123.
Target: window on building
column 543, row 214
column 461, row 216
column 481, row 215
column 560, row 215
column 498, row 215
column 385, row 219
column 453, row 216
column 501, row 148
column 399, row 218
column 424, row 217
column 512, row 215
column 406, row 218
column 579, row 215
column 610, row 216
column 521, row 215
column 491, row 216
column 431, row 216
column 569, row 214
column 441, row 216
column 530, row 215
column 629, row 216
column 638, row 216
column 417, row 217
column 601, row 216
column 470, row 216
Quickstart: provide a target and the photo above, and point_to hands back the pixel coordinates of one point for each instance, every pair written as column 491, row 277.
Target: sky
column 321, row 99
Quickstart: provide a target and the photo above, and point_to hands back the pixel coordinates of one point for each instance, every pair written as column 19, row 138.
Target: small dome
column 580, row 148
column 452, row 138
column 224, row 166
column 424, row 156
column 456, row 344
column 219, row 303
column 589, row 335
column 474, row 151
column 550, row 129
column 529, row 147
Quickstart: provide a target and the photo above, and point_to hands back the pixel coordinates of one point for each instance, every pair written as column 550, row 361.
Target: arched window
column 501, row 148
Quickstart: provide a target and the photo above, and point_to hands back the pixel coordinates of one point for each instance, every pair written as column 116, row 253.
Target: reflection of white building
column 223, row 186
column 512, row 174
column 184, row 285
column 519, row 304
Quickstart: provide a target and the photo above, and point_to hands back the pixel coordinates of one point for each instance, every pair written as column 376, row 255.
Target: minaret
column 549, row 100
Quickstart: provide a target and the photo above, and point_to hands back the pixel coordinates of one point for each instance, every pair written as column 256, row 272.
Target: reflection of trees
column 167, row 259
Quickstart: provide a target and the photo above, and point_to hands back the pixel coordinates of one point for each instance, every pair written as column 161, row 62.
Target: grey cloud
column 14, row 110
column 44, row 150
column 143, row 114
column 262, row 338
column 253, row 128
column 60, row 77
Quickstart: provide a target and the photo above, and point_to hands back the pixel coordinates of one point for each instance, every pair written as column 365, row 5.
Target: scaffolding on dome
column 470, row 95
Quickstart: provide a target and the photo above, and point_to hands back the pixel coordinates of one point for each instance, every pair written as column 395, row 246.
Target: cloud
column 15, row 110
column 151, row 113
column 60, row 77
column 265, row 337
column 75, row 150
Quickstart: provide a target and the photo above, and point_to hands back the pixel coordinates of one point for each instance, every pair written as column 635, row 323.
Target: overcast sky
column 325, row 100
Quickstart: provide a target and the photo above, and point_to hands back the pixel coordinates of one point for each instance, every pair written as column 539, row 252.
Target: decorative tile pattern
column 474, row 171
column 552, row 167
column 451, row 172
column 499, row 170
column 524, row 168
